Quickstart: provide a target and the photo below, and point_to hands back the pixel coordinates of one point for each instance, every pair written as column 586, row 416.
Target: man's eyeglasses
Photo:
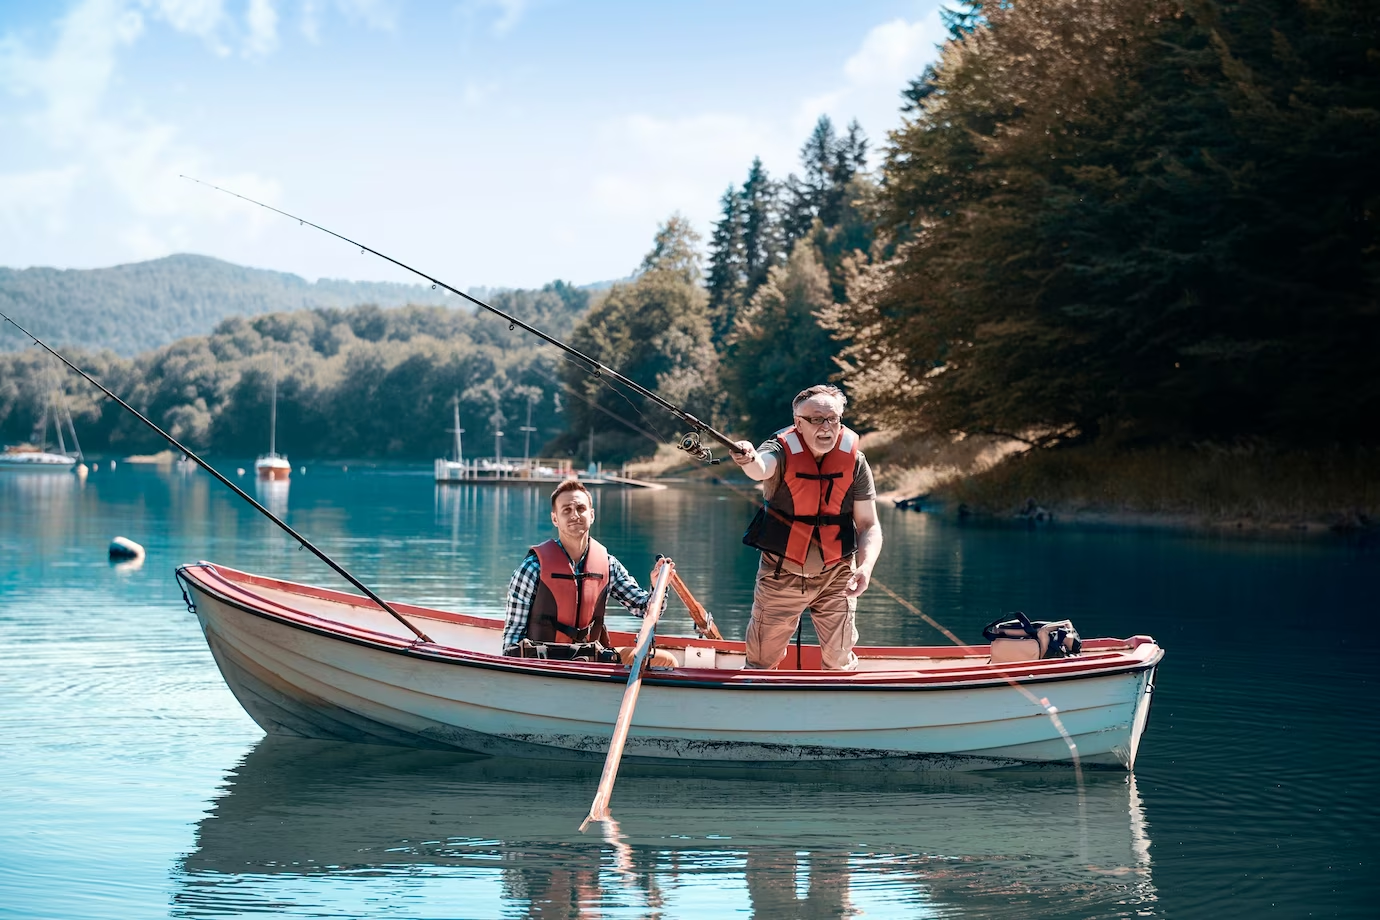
column 819, row 421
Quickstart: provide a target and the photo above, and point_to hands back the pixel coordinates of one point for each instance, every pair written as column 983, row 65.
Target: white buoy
column 112, row 464
column 239, row 471
column 125, row 548
column 302, row 470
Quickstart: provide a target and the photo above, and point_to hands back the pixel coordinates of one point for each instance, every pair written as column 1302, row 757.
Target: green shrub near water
column 1252, row 484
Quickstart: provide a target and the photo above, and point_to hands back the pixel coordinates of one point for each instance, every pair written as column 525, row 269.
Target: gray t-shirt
column 863, row 490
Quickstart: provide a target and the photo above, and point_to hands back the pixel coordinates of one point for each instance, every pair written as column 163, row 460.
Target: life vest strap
column 822, row 477
column 816, row 520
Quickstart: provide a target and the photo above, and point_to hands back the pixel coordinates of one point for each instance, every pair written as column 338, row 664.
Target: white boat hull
column 300, row 672
column 37, row 461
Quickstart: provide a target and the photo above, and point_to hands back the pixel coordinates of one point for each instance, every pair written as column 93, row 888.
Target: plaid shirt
column 522, row 589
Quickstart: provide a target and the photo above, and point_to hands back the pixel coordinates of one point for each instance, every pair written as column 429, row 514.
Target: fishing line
column 301, row 540
column 609, row 385
column 690, row 442
column 1041, row 703
column 571, row 391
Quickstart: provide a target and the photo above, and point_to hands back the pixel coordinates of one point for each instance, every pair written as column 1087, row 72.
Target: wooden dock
column 538, row 471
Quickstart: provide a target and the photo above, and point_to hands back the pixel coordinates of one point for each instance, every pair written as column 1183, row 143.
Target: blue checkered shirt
column 522, row 589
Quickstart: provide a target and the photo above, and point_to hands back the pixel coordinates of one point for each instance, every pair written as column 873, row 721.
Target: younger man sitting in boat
column 557, row 596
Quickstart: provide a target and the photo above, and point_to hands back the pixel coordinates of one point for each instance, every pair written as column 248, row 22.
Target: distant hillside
column 133, row 308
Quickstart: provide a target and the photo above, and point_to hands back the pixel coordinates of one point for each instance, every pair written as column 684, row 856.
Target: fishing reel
column 692, row 445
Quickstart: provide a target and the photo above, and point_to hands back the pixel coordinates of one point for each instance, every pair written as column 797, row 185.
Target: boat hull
column 36, row 461
column 307, row 676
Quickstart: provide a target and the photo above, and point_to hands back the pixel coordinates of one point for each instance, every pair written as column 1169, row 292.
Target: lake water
column 133, row 785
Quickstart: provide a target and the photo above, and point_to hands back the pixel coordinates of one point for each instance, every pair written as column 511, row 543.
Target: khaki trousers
column 777, row 604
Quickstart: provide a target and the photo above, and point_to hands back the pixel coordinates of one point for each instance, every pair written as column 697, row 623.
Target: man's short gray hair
column 820, row 389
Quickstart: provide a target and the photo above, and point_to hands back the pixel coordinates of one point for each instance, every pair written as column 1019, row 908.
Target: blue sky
column 499, row 143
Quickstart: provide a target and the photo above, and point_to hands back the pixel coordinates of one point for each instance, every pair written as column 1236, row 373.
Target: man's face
column 573, row 515
column 820, row 422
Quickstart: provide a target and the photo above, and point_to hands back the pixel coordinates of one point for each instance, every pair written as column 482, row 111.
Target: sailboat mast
column 73, row 429
column 273, row 412
column 459, row 454
column 57, row 426
column 527, row 430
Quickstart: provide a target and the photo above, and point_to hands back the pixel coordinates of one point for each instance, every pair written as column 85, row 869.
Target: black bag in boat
column 1023, row 639
column 566, row 651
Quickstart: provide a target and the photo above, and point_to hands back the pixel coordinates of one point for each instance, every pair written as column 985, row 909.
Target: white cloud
column 262, row 20
column 658, row 166
column 92, row 147
column 201, row 18
column 873, row 77
column 376, row 14
column 509, row 12
column 894, row 52
column 311, row 20
column 195, row 17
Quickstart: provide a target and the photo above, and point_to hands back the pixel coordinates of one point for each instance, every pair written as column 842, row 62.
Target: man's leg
column 834, row 617
column 777, row 604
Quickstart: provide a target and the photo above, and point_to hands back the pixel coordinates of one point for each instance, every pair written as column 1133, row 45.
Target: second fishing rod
column 691, row 442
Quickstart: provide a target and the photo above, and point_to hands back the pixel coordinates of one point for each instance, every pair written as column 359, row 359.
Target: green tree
column 1103, row 207
column 655, row 331
column 779, row 345
column 727, row 277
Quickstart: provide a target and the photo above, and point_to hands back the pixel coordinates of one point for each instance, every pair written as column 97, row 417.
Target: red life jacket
column 813, row 504
column 569, row 605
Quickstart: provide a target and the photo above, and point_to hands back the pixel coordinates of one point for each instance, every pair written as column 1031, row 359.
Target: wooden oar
column 704, row 622
column 599, row 810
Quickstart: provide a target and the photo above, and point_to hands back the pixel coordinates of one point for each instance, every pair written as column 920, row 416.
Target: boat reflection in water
column 347, row 830
column 273, row 494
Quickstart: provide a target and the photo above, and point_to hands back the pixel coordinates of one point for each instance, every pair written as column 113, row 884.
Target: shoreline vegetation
column 1119, row 262
column 1246, row 489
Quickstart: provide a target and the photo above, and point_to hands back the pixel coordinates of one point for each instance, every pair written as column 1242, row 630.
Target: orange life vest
column 569, row 605
column 813, row 504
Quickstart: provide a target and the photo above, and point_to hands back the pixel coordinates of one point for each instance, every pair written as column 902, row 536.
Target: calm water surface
column 133, row 785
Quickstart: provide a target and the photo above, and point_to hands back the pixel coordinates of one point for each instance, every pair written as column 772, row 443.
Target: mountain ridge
column 137, row 306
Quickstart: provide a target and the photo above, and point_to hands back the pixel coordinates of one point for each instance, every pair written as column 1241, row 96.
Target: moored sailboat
column 31, row 457
column 272, row 465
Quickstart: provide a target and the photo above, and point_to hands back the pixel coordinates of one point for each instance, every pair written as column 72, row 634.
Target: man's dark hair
column 570, row 485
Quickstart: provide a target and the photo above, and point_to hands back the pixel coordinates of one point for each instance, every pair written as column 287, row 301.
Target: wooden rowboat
column 318, row 663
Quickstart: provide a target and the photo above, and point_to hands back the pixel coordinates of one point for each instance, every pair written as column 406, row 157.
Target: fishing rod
column 303, row 541
column 691, row 442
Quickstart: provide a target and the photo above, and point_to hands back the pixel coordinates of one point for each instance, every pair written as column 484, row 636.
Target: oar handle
column 704, row 620
column 599, row 810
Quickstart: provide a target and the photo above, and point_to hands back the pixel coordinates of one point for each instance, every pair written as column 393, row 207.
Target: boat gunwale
column 972, row 676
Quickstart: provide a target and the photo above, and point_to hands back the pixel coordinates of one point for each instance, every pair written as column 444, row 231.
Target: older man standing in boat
column 817, row 530
column 557, row 595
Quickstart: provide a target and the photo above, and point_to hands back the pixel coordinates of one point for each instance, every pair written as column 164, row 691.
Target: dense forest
column 1130, row 222
column 134, row 308
column 359, row 382
column 1119, row 222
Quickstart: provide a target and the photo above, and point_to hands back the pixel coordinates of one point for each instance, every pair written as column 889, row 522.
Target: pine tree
column 762, row 246
column 727, row 266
